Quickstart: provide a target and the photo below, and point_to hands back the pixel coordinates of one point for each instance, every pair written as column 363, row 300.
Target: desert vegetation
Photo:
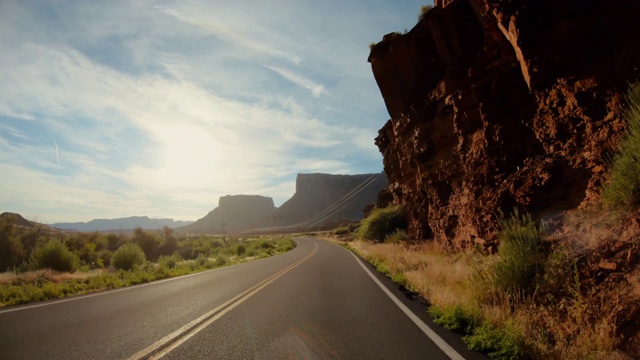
column 40, row 266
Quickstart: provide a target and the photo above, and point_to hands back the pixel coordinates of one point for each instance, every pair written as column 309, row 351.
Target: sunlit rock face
column 234, row 213
column 497, row 104
column 317, row 192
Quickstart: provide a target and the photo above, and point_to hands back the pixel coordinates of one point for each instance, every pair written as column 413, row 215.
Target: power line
column 323, row 214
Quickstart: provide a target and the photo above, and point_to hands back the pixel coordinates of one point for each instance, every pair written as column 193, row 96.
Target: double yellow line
column 165, row 345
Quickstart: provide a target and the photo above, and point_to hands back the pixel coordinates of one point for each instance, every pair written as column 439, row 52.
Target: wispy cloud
column 315, row 88
column 55, row 143
column 228, row 35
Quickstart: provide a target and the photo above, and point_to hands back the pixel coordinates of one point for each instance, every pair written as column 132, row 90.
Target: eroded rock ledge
column 497, row 104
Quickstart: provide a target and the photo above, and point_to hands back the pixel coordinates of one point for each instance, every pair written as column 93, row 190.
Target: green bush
column 169, row 261
column 522, row 255
column 498, row 343
column 54, row 255
column 623, row 189
column 382, row 222
column 128, row 256
column 240, row 250
column 341, row 231
column 220, row 261
column 455, row 318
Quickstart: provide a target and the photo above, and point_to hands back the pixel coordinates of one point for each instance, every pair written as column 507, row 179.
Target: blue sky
column 119, row 108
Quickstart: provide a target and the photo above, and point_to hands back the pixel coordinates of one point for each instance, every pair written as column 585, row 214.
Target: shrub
column 341, row 231
column 128, row 256
column 169, row 261
column 424, row 9
column 240, row 250
column 623, row 189
column 220, row 261
column 54, row 255
column 497, row 342
column 382, row 222
column 522, row 255
column 201, row 260
column 455, row 318
column 400, row 235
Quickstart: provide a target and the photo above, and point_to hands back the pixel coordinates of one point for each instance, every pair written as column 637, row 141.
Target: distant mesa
column 127, row 223
column 317, row 192
column 320, row 201
column 234, row 213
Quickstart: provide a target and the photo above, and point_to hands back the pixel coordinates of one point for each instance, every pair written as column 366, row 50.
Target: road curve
column 314, row 302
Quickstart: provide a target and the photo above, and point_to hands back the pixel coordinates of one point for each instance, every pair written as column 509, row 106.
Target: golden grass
column 582, row 326
column 8, row 278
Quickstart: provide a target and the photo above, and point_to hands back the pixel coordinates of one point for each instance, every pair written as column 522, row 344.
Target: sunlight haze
column 158, row 108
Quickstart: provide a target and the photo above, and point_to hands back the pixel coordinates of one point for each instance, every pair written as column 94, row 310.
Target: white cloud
column 229, row 35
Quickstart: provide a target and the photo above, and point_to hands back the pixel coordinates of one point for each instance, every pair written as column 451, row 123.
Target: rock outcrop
column 497, row 104
column 321, row 201
column 327, row 199
column 234, row 213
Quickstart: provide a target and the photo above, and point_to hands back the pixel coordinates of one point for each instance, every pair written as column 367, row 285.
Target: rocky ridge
column 502, row 104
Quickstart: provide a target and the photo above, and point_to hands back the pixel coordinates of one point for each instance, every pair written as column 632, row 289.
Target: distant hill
column 127, row 223
column 20, row 222
column 234, row 213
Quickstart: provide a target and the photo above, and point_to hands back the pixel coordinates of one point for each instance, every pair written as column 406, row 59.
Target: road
column 314, row 302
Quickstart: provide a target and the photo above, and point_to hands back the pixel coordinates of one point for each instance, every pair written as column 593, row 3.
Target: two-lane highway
column 314, row 302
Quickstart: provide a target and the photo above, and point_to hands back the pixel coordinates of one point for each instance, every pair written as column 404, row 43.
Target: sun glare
column 189, row 152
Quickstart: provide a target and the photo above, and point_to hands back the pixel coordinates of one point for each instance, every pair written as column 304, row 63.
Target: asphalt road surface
column 317, row 301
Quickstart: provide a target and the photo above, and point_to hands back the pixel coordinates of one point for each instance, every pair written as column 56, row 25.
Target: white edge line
column 130, row 287
column 440, row 342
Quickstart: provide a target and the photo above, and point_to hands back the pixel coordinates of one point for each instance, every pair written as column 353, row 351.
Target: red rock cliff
column 497, row 104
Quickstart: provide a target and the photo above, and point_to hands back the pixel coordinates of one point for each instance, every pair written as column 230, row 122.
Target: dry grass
column 440, row 277
column 582, row 321
column 9, row 278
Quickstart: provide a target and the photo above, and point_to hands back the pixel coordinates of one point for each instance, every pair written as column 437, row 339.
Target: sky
column 111, row 109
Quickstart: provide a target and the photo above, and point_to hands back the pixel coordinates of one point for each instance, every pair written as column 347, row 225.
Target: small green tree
column 54, row 255
column 128, row 256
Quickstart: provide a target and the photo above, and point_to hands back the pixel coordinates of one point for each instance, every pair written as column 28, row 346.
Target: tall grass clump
column 521, row 255
column 128, row 256
column 399, row 235
column 54, row 255
column 623, row 189
column 382, row 222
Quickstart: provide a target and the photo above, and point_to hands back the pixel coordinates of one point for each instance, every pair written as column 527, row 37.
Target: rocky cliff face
column 497, row 104
column 317, row 192
column 234, row 213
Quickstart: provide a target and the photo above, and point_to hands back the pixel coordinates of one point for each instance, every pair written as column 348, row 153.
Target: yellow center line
column 165, row 345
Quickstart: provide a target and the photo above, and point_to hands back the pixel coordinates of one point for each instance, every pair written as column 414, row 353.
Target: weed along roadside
column 543, row 294
column 58, row 268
